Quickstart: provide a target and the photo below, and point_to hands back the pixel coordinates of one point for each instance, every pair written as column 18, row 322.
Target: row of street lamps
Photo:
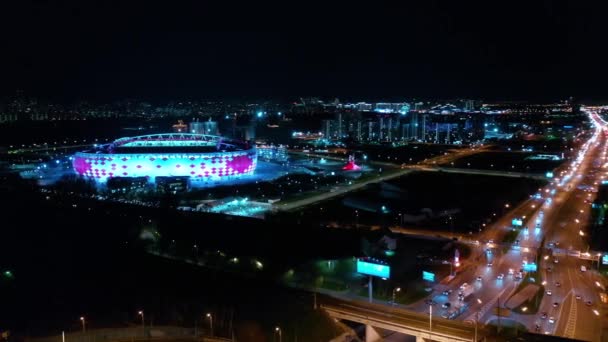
column 208, row 315
column 83, row 321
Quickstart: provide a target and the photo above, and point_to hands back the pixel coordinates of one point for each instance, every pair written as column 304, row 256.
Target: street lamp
column 477, row 318
column 208, row 315
column 431, row 321
column 395, row 290
column 143, row 324
column 278, row 330
column 84, row 324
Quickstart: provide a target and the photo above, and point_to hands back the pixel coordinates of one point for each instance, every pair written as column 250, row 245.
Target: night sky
column 536, row 50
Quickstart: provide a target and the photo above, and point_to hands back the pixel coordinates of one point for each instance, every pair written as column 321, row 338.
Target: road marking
column 571, row 323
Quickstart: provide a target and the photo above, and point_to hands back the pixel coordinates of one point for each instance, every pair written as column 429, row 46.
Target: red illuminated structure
column 351, row 166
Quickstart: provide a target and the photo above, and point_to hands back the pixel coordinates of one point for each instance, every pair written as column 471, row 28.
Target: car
column 511, row 271
column 490, row 264
column 583, row 268
column 479, row 278
column 555, row 261
column 446, row 305
column 578, row 297
column 551, row 319
column 549, row 269
column 588, row 303
column 446, row 292
column 516, row 242
column 556, row 304
column 549, row 293
column 500, row 276
column 558, row 284
column 543, row 315
column 537, row 328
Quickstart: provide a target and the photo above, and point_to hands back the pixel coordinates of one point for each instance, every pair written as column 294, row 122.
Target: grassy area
column 333, row 285
column 508, row 328
column 413, row 293
column 531, row 306
column 510, row 237
column 533, row 303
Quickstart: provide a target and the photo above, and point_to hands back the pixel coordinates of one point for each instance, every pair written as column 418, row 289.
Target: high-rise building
column 326, row 129
column 204, row 127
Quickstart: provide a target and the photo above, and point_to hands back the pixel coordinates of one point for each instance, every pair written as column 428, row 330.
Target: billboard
column 428, row 276
column 517, row 222
column 373, row 268
column 531, row 267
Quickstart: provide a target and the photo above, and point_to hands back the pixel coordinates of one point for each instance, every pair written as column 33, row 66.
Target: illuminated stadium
column 203, row 158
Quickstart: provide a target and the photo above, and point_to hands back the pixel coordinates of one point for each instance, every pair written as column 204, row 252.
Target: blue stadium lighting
column 203, row 158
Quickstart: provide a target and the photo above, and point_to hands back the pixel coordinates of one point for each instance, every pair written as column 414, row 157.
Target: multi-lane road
column 573, row 308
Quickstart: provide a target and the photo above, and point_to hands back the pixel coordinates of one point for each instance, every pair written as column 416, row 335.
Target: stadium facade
column 203, row 158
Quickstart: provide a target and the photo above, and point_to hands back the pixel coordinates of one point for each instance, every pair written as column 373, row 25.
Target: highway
column 338, row 192
column 291, row 205
column 561, row 214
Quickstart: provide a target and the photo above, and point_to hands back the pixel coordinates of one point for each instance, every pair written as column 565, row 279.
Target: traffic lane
column 588, row 324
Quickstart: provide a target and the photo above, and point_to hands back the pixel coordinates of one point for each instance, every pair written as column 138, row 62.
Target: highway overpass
column 402, row 321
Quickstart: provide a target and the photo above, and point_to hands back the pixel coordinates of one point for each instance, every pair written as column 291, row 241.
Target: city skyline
column 252, row 172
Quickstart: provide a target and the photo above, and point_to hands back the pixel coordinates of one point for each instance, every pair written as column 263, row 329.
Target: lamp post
column 431, row 322
column 143, row 322
column 395, row 290
column 208, row 315
column 84, row 324
column 278, row 330
column 477, row 318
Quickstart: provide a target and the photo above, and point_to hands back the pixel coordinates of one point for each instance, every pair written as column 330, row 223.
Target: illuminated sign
column 605, row 259
column 549, row 174
column 428, row 276
column 516, row 222
column 531, row 267
column 376, row 269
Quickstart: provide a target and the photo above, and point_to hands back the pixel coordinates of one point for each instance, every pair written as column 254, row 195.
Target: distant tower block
column 351, row 166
